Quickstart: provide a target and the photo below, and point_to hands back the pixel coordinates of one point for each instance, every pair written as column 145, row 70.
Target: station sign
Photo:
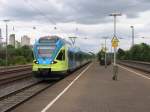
column 115, row 42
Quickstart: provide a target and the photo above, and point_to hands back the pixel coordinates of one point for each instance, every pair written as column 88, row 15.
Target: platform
column 94, row 91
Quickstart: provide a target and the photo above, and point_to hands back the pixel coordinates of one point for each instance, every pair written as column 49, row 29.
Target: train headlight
column 53, row 62
column 36, row 62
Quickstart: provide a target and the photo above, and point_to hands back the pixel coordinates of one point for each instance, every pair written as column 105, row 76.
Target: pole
column 6, row 63
column 133, row 36
column 115, row 67
column 105, row 55
column 105, row 51
column 114, row 25
column 6, row 44
column 1, row 37
column 132, row 28
column 114, row 36
column 111, row 54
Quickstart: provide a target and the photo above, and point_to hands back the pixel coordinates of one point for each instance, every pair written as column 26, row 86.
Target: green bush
column 20, row 60
column 139, row 52
column 2, row 62
column 16, row 56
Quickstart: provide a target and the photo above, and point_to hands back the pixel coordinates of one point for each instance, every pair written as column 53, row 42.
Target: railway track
column 13, row 81
column 14, row 67
column 15, row 73
column 142, row 66
column 16, row 92
column 16, row 97
column 10, row 70
column 18, row 85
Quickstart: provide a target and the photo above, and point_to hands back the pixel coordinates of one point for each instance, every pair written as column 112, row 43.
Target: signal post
column 115, row 45
column 115, row 67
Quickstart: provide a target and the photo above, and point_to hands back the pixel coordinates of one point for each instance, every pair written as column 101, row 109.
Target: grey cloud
column 80, row 11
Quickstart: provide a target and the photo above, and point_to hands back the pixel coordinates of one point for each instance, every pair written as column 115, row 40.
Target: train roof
column 53, row 38
column 77, row 50
column 48, row 39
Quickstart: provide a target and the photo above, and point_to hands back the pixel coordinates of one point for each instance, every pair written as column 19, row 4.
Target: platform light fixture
column 132, row 28
column 105, row 37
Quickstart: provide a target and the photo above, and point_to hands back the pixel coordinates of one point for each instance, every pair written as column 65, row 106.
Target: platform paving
column 95, row 91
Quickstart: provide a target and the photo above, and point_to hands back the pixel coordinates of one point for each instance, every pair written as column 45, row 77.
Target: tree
column 121, row 53
column 20, row 55
column 139, row 52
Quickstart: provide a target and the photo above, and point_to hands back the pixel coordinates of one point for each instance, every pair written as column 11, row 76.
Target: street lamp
column 6, row 21
column 34, row 28
column 132, row 28
column 0, row 37
column 115, row 68
column 105, row 51
column 115, row 15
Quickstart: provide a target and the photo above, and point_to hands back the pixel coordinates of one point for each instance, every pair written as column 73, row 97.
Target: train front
column 45, row 51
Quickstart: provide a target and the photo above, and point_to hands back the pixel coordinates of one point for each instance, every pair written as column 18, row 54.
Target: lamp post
column 132, row 28
column 105, row 51
column 0, row 37
column 115, row 68
column 6, row 21
column 115, row 16
column 34, row 28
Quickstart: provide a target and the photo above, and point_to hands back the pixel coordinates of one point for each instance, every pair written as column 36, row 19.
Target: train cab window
column 61, row 55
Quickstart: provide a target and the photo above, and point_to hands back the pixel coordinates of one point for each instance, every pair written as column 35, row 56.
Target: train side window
column 61, row 55
column 78, row 57
column 70, row 55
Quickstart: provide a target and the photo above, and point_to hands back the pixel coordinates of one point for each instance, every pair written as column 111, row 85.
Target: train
column 101, row 58
column 56, row 57
column 102, row 61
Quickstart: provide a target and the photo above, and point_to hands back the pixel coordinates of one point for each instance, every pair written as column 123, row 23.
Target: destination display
column 48, row 39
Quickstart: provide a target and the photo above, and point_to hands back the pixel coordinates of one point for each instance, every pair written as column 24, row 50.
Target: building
column 25, row 40
column 3, row 44
column 12, row 40
column 17, row 44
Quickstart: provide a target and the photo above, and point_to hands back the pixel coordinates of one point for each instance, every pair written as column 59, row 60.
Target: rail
column 13, row 67
column 143, row 66
column 15, row 73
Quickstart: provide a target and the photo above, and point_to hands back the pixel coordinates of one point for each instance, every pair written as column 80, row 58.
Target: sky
column 89, row 20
